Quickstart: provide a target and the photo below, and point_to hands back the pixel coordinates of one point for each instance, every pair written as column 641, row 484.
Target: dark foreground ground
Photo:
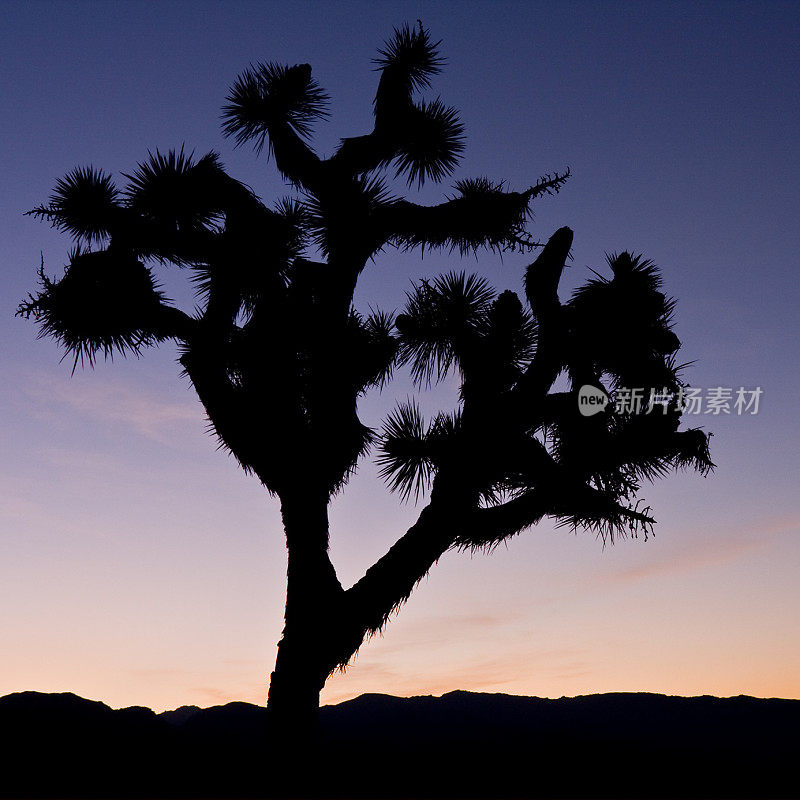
column 461, row 745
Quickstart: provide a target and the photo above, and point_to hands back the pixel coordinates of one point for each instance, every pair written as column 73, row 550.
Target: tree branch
column 360, row 154
column 228, row 412
column 294, row 158
column 172, row 323
column 541, row 288
column 407, row 63
column 388, row 583
column 490, row 219
column 544, row 274
column 572, row 503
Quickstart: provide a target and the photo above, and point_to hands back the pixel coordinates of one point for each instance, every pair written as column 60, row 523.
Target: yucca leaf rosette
column 105, row 303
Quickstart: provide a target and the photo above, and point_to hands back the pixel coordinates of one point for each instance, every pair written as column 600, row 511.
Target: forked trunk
column 324, row 626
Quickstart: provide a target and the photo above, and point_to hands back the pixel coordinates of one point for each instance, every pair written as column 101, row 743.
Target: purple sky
column 140, row 566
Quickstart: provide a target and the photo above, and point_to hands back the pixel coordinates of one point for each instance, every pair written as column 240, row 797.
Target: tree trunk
column 324, row 625
column 313, row 597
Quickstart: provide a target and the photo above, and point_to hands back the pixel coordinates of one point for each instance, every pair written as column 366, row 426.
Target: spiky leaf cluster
column 623, row 324
column 410, row 451
column 267, row 95
column 432, row 143
column 174, row 190
column 411, row 58
column 442, row 318
column 104, row 303
column 85, row 203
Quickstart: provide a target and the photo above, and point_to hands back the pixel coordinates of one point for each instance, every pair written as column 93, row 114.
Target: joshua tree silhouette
column 279, row 357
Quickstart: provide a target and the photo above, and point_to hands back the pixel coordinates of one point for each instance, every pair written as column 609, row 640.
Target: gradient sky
column 139, row 566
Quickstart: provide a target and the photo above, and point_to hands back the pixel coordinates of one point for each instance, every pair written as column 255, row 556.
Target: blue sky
column 140, row 566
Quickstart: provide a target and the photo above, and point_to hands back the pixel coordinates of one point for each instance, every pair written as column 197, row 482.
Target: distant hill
column 461, row 745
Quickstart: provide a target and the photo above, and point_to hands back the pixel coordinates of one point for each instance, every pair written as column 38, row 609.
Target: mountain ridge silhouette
column 460, row 744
